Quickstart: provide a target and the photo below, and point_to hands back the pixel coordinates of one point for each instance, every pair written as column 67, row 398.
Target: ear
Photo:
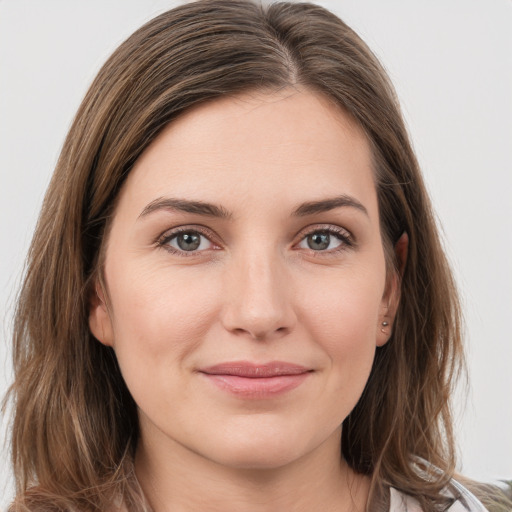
column 391, row 297
column 100, row 323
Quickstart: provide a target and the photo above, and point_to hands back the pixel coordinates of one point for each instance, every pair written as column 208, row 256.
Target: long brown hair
column 75, row 426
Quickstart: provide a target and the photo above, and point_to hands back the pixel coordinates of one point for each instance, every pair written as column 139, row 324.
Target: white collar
column 400, row 502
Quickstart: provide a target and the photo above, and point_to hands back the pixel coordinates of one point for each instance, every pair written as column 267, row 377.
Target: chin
column 268, row 450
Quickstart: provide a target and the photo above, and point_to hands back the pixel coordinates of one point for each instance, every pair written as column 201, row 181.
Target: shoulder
column 465, row 501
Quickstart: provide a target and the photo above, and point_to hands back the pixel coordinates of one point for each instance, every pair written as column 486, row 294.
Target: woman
column 236, row 296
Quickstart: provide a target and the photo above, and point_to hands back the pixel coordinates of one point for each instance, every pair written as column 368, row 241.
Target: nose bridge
column 258, row 293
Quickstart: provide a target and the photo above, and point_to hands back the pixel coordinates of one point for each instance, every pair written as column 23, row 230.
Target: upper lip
column 253, row 370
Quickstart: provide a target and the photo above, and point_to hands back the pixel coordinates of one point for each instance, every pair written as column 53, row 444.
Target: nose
column 258, row 301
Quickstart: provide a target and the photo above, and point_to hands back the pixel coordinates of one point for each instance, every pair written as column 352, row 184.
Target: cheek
column 344, row 317
column 158, row 320
column 346, row 306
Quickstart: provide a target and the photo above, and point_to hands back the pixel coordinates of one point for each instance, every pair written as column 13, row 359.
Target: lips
column 249, row 380
column 255, row 371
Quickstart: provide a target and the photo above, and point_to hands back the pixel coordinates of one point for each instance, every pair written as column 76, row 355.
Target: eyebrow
column 187, row 206
column 212, row 210
column 325, row 205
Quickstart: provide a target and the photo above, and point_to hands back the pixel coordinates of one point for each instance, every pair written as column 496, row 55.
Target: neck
column 178, row 480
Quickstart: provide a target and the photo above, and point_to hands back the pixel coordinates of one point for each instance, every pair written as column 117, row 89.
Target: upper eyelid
column 324, row 227
column 172, row 232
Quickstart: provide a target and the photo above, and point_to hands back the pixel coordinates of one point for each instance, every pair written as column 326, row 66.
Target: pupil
column 188, row 241
column 318, row 241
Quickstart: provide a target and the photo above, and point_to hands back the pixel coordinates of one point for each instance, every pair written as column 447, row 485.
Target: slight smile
column 256, row 381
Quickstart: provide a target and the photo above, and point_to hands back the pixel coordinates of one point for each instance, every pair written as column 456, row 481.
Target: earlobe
column 391, row 298
column 100, row 323
column 383, row 333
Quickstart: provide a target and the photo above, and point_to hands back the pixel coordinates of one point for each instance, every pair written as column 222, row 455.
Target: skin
column 254, row 290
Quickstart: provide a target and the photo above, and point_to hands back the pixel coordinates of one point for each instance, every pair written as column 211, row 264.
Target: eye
column 188, row 242
column 330, row 239
column 185, row 240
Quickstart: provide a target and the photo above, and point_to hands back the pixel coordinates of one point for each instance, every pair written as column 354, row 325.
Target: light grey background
column 451, row 62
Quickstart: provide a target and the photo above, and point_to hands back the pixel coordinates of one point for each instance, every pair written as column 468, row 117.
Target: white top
column 400, row 502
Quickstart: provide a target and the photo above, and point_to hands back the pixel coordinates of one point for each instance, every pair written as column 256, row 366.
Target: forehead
column 288, row 145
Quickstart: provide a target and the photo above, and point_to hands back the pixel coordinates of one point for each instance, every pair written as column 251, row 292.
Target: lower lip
column 257, row 388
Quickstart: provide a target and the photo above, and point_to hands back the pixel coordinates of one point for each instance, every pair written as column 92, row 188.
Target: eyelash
column 341, row 234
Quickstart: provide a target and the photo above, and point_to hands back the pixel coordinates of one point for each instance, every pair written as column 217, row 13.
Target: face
column 245, row 279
